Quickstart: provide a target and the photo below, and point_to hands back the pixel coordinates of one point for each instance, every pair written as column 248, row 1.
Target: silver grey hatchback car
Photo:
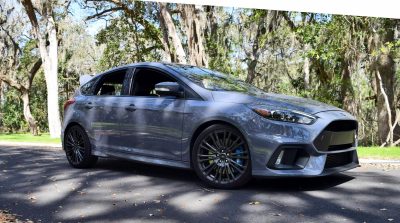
column 191, row 117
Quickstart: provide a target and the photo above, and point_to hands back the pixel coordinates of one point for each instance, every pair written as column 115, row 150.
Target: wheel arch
column 207, row 124
column 69, row 125
column 72, row 124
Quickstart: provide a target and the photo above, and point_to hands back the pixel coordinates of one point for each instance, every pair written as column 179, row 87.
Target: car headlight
column 286, row 116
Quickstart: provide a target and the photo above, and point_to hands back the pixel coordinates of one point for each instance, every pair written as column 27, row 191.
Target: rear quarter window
column 87, row 89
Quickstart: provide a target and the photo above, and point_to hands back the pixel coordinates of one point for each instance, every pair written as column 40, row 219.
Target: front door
column 151, row 124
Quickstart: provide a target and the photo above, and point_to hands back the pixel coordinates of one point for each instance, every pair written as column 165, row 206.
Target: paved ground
column 38, row 184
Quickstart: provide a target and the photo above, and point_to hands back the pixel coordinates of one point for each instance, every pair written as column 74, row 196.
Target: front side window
column 213, row 80
column 111, row 84
column 145, row 81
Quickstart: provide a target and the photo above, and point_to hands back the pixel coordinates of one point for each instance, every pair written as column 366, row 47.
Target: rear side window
column 111, row 83
column 87, row 89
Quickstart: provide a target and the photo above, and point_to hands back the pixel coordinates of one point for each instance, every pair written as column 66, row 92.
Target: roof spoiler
column 83, row 79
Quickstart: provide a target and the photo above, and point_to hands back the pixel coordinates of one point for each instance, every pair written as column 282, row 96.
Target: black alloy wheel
column 221, row 157
column 78, row 148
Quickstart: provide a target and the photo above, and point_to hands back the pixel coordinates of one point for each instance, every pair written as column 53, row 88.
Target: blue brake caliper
column 238, row 151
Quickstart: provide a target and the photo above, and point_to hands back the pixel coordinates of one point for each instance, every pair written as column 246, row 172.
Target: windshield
column 214, row 80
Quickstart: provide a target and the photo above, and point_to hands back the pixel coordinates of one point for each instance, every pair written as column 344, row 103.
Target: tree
column 194, row 24
column 220, row 39
column 188, row 46
column 41, row 16
column 171, row 41
column 18, row 66
column 78, row 55
column 380, row 39
column 260, row 25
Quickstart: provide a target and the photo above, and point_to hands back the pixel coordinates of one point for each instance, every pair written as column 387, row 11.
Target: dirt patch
column 7, row 217
column 382, row 166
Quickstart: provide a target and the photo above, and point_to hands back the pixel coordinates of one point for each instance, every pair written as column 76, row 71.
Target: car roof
column 152, row 64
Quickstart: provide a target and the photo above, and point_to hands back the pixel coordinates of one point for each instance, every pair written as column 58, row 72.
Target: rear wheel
column 78, row 148
column 221, row 157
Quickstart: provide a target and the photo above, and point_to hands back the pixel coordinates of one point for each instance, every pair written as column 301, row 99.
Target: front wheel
column 78, row 148
column 221, row 157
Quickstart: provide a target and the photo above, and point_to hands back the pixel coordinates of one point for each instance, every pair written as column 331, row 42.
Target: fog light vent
column 279, row 159
column 289, row 158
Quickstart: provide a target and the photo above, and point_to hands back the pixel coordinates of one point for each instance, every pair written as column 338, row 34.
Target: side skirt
column 143, row 159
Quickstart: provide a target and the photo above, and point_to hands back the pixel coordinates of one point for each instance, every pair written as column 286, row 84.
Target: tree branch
column 6, row 79
column 289, row 21
column 104, row 12
column 33, row 71
column 30, row 11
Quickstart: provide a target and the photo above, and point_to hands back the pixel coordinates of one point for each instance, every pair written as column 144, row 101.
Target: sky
column 79, row 15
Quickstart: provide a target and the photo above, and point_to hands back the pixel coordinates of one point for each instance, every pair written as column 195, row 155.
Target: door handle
column 89, row 105
column 130, row 108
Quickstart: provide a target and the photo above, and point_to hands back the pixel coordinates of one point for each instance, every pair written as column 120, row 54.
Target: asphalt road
column 38, row 184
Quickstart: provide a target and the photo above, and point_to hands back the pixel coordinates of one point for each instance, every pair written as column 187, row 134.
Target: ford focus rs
column 190, row 117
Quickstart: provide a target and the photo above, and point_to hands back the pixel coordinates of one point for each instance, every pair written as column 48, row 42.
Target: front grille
column 339, row 147
column 338, row 135
column 338, row 159
column 342, row 126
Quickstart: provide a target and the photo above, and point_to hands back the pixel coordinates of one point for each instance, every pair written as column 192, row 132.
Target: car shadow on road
column 256, row 184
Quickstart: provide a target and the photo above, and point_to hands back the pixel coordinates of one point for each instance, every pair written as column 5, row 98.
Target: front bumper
column 315, row 150
column 317, row 165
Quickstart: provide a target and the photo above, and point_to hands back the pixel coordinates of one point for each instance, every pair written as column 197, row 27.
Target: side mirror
column 169, row 89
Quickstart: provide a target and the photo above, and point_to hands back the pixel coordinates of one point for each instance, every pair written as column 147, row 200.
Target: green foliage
column 12, row 118
column 11, row 110
column 220, row 43
column 127, row 43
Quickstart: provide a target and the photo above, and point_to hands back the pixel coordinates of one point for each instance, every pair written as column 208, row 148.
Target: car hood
column 274, row 101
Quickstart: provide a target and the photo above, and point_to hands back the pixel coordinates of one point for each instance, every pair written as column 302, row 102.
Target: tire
column 77, row 148
column 221, row 157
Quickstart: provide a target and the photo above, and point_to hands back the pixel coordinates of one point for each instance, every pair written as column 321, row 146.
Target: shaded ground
column 38, row 184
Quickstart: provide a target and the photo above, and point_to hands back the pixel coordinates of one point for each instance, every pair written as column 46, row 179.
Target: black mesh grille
column 339, row 147
column 338, row 159
column 338, row 135
column 342, row 126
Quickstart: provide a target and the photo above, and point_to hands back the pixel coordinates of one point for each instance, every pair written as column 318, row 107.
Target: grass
column 26, row 137
column 379, row 153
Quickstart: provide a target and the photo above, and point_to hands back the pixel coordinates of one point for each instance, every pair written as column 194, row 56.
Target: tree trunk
column 51, row 77
column 306, row 68
column 251, row 71
column 385, row 65
column 48, row 46
column 194, row 27
column 1, row 91
column 27, row 113
column 386, row 68
column 171, row 41
column 347, row 92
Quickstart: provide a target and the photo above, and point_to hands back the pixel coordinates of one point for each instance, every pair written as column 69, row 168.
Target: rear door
column 151, row 124
column 103, row 108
